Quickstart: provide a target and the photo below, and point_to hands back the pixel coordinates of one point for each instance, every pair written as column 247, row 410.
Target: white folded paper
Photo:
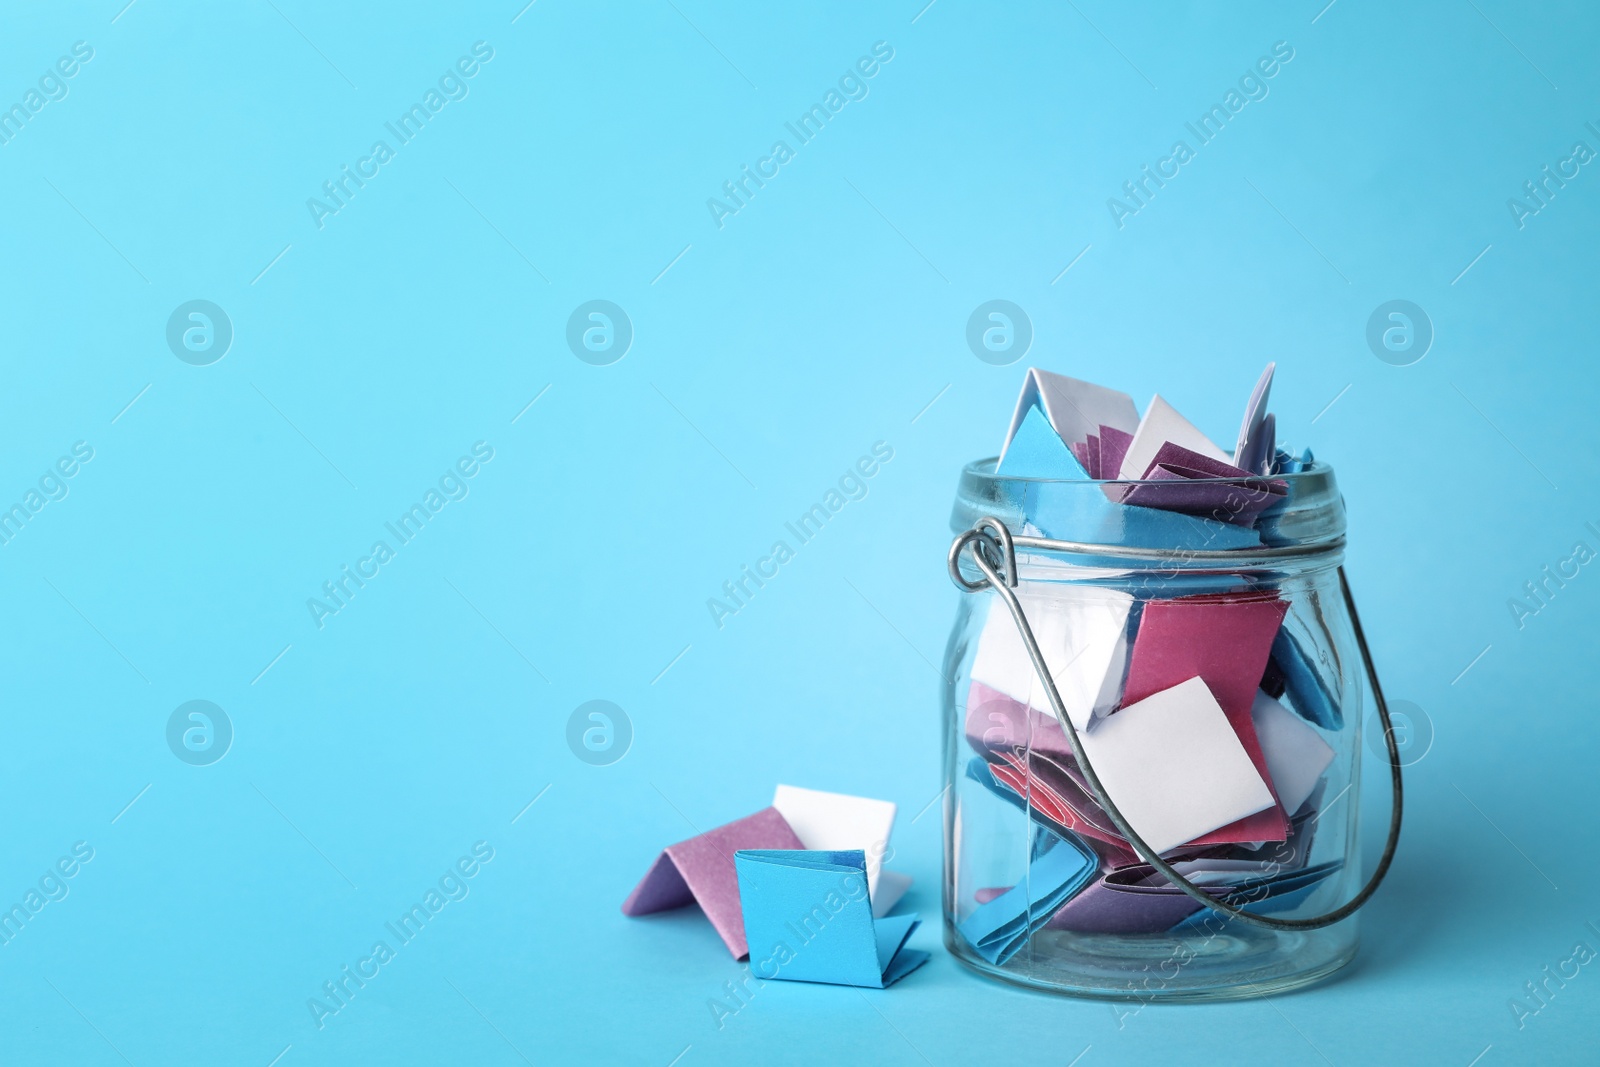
column 892, row 885
column 1083, row 635
column 1296, row 754
column 1253, row 451
column 837, row 822
column 1174, row 766
column 1075, row 409
column 1162, row 423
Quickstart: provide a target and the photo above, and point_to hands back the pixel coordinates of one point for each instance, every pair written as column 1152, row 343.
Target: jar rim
column 985, row 468
column 1307, row 517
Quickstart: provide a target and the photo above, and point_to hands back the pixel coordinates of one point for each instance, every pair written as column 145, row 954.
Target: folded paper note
column 1049, row 779
column 1132, row 898
column 1070, row 411
column 1223, row 639
column 1179, row 479
column 1303, row 682
column 1062, row 510
column 1058, row 802
column 1296, row 754
column 700, row 870
column 996, row 723
column 1266, row 895
column 1034, row 450
column 1083, row 637
column 1290, row 464
column 1161, row 424
column 1137, row 899
column 1254, row 449
column 807, row 918
column 1174, row 765
column 1175, row 455
column 998, row 928
column 1129, row 900
column 1220, row 637
column 1259, row 458
column 834, row 822
column 1112, row 445
column 1194, row 491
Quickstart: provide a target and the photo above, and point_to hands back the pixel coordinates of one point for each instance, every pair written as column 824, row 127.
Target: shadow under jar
column 1196, row 755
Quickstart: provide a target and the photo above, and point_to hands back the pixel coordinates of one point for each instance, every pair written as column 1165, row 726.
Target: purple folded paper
column 1185, row 481
column 1193, row 492
column 701, row 870
column 1113, row 449
column 1266, row 895
column 1129, row 900
column 1088, row 454
column 1085, row 452
column 1137, row 899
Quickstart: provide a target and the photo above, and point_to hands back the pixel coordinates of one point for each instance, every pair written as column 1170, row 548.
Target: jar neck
column 1304, row 525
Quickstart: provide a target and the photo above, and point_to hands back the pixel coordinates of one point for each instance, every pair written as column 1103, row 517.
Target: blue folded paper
column 1080, row 511
column 998, row 929
column 1037, row 451
column 808, row 918
column 1290, row 464
column 1308, row 690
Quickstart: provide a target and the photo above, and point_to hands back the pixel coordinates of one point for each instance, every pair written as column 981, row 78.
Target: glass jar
column 1207, row 701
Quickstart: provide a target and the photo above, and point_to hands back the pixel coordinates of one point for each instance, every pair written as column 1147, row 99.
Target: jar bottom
column 1235, row 965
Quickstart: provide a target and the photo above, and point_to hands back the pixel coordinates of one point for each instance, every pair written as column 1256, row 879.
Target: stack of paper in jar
column 1199, row 703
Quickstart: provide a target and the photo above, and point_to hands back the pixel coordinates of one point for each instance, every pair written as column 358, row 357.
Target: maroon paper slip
column 1224, row 639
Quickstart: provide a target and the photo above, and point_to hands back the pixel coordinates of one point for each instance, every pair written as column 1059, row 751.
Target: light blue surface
column 369, row 755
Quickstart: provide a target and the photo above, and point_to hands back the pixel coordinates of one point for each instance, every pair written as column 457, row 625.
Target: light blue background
column 828, row 314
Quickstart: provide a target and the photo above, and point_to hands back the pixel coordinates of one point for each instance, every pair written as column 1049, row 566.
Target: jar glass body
column 1039, row 888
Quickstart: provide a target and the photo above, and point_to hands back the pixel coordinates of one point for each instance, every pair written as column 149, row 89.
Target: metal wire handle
column 992, row 550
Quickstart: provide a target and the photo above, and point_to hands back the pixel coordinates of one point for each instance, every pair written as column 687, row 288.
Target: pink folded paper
column 700, row 870
column 1223, row 639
